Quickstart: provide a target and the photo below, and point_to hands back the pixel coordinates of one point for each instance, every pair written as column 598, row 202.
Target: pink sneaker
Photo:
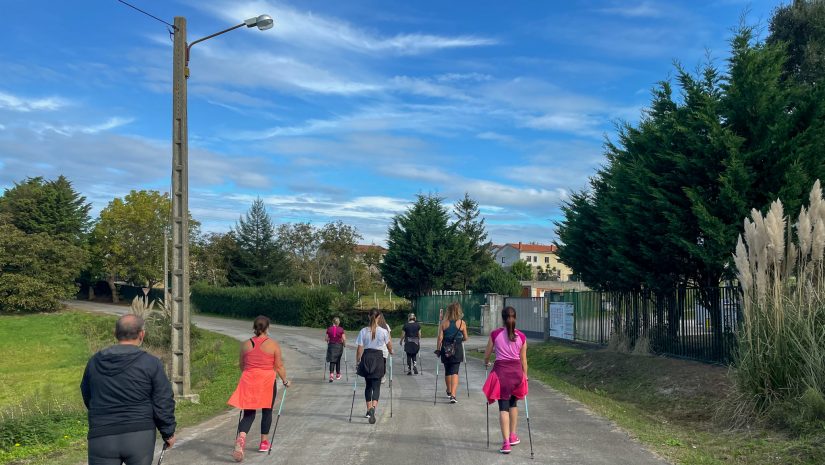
column 338, row 376
column 330, row 377
column 514, row 440
column 264, row 447
column 237, row 453
column 505, row 448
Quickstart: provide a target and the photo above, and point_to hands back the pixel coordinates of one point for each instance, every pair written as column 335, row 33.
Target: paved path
column 314, row 427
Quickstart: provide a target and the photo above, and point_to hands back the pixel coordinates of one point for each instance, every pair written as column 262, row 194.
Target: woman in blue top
column 371, row 342
column 452, row 331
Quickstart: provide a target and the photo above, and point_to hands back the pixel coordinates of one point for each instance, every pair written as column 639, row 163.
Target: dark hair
column 511, row 327
column 128, row 327
column 260, row 325
column 374, row 314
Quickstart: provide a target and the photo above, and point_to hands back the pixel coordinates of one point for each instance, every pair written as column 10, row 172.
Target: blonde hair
column 454, row 311
column 336, row 321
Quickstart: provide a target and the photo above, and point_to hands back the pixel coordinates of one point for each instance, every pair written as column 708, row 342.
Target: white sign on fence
column 561, row 320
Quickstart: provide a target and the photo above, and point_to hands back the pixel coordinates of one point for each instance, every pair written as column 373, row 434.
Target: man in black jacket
column 128, row 395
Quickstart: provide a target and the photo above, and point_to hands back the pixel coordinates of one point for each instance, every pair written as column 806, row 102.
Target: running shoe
column 372, row 415
column 453, row 400
column 367, row 415
column 237, row 453
column 338, row 376
column 409, row 373
column 505, row 448
column 514, row 440
column 415, row 370
column 264, row 447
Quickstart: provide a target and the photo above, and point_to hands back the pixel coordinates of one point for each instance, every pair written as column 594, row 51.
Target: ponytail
column 509, row 323
column 374, row 314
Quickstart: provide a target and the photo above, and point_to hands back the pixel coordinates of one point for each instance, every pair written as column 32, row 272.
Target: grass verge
column 669, row 405
column 42, row 418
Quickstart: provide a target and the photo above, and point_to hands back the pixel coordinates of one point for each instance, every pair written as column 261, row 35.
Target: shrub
column 497, row 281
column 297, row 306
column 781, row 355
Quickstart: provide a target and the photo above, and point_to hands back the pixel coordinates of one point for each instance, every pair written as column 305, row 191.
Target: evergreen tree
column 473, row 238
column 258, row 260
column 800, row 27
column 423, row 249
column 52, row 207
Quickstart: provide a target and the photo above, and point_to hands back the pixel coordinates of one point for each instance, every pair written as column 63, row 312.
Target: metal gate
column 531, row 314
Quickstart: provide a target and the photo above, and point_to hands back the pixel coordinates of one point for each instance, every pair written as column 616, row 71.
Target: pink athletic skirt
column 506, row 380
column 255, row 390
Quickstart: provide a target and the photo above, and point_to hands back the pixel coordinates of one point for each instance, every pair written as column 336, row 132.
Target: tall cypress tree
column 423, row 249
column 258, row 260
column 473, row 240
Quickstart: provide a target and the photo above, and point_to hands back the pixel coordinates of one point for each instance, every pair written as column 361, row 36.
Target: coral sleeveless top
column 257, row 358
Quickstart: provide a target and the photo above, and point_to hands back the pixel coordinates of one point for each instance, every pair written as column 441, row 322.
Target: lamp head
column 263, row 22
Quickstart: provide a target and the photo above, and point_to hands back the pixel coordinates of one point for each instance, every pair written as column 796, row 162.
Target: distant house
column 372, row 255
column 543, row 258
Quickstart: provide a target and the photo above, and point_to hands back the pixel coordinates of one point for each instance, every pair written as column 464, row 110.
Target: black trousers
column 373, row 389
column 135, row 448
column 411, row 360
column 249, row 417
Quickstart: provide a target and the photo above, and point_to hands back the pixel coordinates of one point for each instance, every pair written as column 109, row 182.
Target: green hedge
column 296, row 306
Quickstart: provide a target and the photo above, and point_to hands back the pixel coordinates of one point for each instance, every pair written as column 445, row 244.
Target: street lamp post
column 181, row 385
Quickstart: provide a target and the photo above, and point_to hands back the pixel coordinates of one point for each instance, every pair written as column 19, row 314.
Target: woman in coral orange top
column 260, row 360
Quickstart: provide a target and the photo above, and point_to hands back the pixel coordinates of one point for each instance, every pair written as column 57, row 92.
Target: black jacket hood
column 117, row 358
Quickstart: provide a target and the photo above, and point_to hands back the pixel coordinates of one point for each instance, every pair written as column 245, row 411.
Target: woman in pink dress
column 507, row 382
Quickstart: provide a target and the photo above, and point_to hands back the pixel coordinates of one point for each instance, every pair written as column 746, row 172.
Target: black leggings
column 504, row 405
column 373, row 389
column 134, row 448
column 411, row 359
column 249, row 417
column 335, row 366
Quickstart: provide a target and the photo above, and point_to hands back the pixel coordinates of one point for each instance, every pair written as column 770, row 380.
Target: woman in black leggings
column 371, row 342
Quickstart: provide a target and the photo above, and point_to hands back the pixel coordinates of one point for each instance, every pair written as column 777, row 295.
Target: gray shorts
column 135, row 448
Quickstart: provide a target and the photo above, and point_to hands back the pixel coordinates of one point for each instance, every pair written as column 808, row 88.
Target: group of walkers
column 128, row 395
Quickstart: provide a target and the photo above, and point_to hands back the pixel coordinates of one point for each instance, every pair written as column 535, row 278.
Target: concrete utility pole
column 181, row 385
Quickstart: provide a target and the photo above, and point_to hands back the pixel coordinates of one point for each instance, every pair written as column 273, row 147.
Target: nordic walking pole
column 529, row 434
column 391, row 357
column 486, row 403
column 280, row 407
column 163, row 451
column 354, row 382
column 346, row 366
column 435, row 392
column 466, row 377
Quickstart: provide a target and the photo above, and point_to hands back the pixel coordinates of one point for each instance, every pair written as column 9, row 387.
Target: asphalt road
column 314, row 427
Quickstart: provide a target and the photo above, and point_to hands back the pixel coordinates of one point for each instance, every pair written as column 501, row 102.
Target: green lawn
column 669, row 405
column 41, row 410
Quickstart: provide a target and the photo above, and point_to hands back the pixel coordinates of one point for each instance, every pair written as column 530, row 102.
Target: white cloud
column 25, row 105
column 644, row 9
column 322, row 32
column 68, row 130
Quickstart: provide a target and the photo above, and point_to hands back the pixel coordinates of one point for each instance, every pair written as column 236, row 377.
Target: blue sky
column 345, row 110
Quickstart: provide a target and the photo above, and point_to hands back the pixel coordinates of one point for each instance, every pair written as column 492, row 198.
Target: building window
column 546, row 259
column 502, row 259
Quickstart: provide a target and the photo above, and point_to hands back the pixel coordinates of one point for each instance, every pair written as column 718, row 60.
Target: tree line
column 50, row 244
column 665, row 210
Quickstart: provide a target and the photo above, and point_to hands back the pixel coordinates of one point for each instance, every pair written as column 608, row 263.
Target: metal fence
column 427, row 308
column 532, row 314
column 693, row 323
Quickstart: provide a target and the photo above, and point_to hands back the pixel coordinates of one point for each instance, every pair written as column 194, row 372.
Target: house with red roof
column 543, row 259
